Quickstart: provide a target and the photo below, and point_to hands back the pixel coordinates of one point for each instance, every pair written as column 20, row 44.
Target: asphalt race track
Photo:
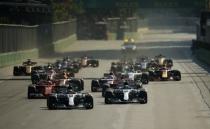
column 171, row 105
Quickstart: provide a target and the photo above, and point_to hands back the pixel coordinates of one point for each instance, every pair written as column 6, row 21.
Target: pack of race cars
column 57, row 83
column 123, row 84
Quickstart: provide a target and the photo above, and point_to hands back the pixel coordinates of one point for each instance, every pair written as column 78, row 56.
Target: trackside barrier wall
column 61, row 44
column 201, row 46
column 19, row 42
column 15, row 57
column 203, row 55
column 17, row 38
column 115, row 25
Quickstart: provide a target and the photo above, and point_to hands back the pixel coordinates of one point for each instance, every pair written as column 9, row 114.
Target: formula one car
column 162, row 61
column 62, row 74
column 164, row 74
column 44, row 88
column 38, row 75
column 69, row 97
column 131, row 76
column 136, row 76
column 128, row 71
column 126, row 93
column 129, row 45
column 42, row 74
column 40, row 90
column 26, row 68
column 88, row 61
column 116, row 67
column 78, row 82
column 141, row 63
column 68, row 65
column 97, row 85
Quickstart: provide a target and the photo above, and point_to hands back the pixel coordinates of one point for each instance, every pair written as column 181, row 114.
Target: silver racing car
column 65, row 97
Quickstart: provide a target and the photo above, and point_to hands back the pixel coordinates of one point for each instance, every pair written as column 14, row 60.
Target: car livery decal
column 71, row 99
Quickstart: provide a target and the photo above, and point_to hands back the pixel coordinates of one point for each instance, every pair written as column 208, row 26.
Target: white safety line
column 161, row 47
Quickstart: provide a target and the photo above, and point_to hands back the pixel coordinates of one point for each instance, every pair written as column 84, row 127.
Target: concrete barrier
column 11, row 58
column 61, row 44
column 203, row 55
column 16, row 57
column 112, row 36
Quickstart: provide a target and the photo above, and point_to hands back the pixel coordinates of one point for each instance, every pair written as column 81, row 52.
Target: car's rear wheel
column 176, row 75
column 93, row 89
column 16, row 71
column 104, row 89
column 82, row 84
column 96, row 64
column 145, row 79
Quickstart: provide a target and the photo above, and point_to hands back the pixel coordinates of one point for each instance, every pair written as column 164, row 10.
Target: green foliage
column 65, row 9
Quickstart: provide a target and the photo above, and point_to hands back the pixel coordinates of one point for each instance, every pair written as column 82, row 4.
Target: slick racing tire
column 96, row 64
column 108, row 96
column 93, row 88
column 143, row 97
column 145, row 79
column 78, row 82
column 82, row 84
column 104, row 89
column 88, row 104
column 177, row 75
column 16, row 71
column 51, row 101
column 94, row 85
column 35, row 79
column 30, row 90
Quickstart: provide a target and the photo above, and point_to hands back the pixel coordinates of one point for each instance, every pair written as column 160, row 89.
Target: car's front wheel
column 143, row 97
column 89, row 104
column 108, row 97
column 31, row 90
column 51, row 101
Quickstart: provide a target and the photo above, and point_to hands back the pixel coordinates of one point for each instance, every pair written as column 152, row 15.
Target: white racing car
column 126, row 93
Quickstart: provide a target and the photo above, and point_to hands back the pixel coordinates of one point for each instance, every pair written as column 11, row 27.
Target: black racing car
column 37, row 75
column 164, row 74
column 89, row 61
column 68, row 65
column 116, row 67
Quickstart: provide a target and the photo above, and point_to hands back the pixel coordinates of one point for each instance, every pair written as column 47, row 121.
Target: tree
column 65, row 9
